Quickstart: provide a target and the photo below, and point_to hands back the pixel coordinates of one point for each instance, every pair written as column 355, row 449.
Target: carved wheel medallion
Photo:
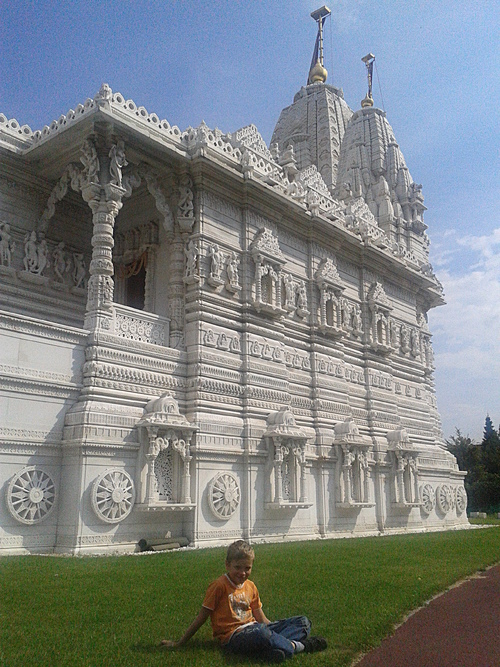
column 113, row 496
column 444, row 498
column 224, row 495
column 428, row 498
column 31, row 495
column 461, row 499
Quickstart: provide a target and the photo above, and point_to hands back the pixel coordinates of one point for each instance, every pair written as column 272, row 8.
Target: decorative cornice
column 29, row 325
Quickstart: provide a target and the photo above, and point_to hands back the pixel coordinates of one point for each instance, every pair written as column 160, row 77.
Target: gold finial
column 369, row 59
column 317, row 72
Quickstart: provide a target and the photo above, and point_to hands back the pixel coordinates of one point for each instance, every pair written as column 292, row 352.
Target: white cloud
column 467, row 330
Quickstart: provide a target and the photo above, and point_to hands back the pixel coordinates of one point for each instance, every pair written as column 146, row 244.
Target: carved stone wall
column 278, row 381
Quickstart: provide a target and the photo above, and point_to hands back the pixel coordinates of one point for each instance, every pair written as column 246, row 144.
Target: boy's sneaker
column 274, row 656
column 314, row 644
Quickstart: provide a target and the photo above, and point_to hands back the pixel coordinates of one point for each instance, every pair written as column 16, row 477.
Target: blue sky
column 235, row 63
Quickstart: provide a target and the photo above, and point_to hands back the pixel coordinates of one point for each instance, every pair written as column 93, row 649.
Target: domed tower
column 315, row 123
column 372, row 166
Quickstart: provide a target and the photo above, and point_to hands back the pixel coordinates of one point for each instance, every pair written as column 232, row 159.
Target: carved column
column 182, row 447
column 105, row 204
column 300, row 457
column 278, row 461
column 414, row 473
column 151, row 492
column 176, row 292
column 347, row 471
column 400, row 481
column 363, row 461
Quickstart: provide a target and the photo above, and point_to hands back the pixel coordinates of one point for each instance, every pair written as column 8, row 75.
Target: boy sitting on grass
column 238, row 621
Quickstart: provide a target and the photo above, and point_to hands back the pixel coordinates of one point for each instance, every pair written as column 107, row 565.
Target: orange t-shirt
column 230, row 606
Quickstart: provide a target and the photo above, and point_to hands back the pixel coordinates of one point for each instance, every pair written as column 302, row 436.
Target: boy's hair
column 239, row 549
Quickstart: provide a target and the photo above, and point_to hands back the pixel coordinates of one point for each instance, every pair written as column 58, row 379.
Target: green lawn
column 112, row 612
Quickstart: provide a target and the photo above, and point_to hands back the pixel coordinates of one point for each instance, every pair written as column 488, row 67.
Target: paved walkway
column 460, row 628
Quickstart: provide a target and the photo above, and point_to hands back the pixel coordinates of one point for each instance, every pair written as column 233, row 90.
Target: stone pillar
column 347, row 470
column 151, row 492
column 301, row 460
column 176, row 292
column 105, row 203
column 278, row 460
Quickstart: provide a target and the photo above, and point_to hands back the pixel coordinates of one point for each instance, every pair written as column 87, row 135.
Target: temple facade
column 205, row 337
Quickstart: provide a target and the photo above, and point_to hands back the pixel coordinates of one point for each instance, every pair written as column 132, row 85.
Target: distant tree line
column 482, row 463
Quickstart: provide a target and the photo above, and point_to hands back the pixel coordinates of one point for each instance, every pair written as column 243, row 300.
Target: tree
column 488, row 428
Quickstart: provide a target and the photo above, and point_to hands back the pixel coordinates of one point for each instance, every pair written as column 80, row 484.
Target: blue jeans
column 260, row 637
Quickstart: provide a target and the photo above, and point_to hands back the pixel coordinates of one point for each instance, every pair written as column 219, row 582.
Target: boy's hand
column 168, row 643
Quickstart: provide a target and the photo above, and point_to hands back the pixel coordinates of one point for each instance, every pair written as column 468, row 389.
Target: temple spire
column 317, row 72
column 369, row 59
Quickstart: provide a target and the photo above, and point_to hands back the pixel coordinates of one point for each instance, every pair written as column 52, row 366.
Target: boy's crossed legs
column 263, row 639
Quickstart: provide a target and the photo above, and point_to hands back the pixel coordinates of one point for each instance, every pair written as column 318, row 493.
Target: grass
column 112, row 612
column 491, row 520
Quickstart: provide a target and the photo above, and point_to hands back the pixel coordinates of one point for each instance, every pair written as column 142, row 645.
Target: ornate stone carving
column 185, row 207
column 166, row 439
column 216, row 259
column 192, row 253
column 460, row 499
column 444, row 498
column 232, row 281
column 31, row 495
column 90, row 161
column 140, row 326
column 269, row 261
column 428, row 498
column 354, row 471
column 7, row 245
column 302, row 310
column 382, row 328
column 287, row 452
column 224, row 495
column 60, row 262
column 406, row 491
column 331, row 286
column 35, row 254
column 113, row 495
column 117, row 162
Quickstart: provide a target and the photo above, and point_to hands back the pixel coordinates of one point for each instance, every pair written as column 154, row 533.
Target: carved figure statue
column 313, row 201
column 295, row 190
column 7, row 245
column 289, row 291
column 42, row 253
column 216, row 258
column 30, row 260
column 61, row 266
column 191, row 253
column 414, row 347
column 185, row 206
column 90, row 162
column 302, row 296
column 117, row 163
column 232, row 270
column 79, row 270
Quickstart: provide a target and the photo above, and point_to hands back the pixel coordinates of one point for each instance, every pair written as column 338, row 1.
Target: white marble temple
column 204, row 337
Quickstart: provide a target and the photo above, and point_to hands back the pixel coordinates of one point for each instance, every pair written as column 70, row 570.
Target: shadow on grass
column 148, row 648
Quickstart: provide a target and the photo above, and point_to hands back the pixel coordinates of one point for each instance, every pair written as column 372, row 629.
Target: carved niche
column 269, row 262
column 382, row 328
column 405, row 492
column 287, row 462
column 165, row 436
column 353, row 466
column 134, row 257
column 333, row 319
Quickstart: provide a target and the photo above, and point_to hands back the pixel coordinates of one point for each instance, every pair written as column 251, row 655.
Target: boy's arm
column 260, row 617
column 203, row 614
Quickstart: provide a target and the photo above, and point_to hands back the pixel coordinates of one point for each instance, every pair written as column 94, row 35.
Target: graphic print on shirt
column 240, row 606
